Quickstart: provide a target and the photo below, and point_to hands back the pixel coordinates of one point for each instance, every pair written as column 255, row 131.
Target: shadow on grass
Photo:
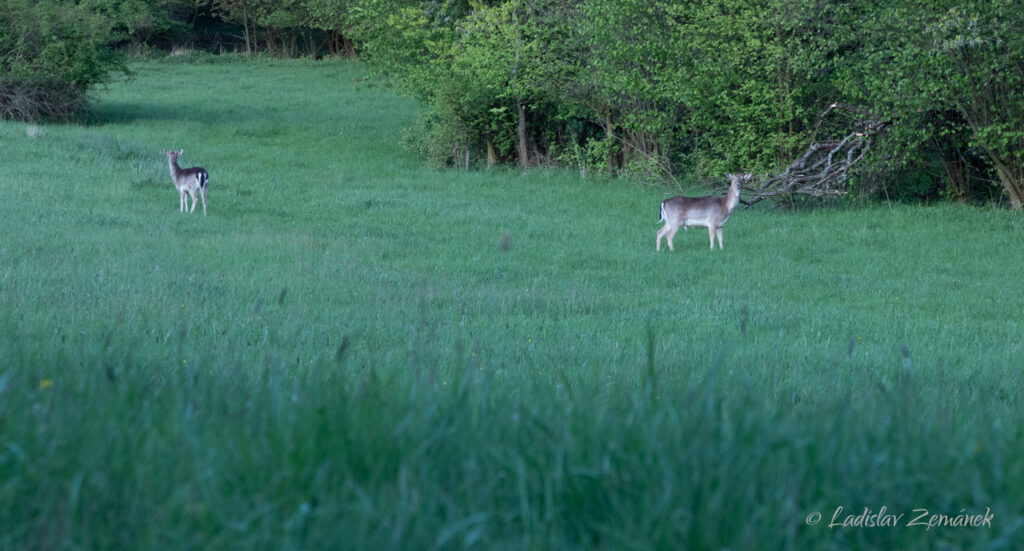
column 121, row 112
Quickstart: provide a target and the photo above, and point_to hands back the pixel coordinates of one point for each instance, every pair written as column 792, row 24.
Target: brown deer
column 700, row 212
column 188, row 180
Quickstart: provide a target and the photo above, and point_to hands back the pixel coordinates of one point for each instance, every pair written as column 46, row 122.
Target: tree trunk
column 245, row 28
column 524, row 151
column 492, row 154
column 331, row 41
column 955, row 167
column 1011, row 171
column 1012, row 183
column 957, row 177
column 609, row 130
column 350, row 47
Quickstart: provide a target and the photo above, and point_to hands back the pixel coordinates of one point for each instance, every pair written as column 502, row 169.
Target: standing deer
column 188, row 180
column 705, row 212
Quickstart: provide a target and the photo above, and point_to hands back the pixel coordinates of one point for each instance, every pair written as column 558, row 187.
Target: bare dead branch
column 33, row 101
column 823, row 171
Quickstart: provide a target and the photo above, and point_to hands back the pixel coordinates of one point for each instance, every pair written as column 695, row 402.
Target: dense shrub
column 665, row 87
column 51, row 53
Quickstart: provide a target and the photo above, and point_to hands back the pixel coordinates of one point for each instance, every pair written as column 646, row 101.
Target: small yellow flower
column 529, row 340
column 45, row 383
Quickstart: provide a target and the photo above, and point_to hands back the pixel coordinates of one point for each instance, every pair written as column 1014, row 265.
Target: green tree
column 284, row 24
column 484, row 72
column 706, row 85
column 716, row 84
column 338, row 18
column 630, row 53
column 52, row 52
column 982, row 59
column 511, row 55
column 951, row 78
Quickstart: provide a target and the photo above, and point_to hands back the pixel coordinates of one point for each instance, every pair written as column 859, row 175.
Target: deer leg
column 672, row 235
column 202, row 194
column 711, row 234
column 181, row 200
column 661, row 233
column 192, row 194
column 718, row 232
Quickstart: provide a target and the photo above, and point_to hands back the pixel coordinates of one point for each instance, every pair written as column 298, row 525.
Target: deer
column 188, row 181
column 700, row 212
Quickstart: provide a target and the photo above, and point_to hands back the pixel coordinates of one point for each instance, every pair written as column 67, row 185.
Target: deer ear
column 180, row 151
column 748, row 176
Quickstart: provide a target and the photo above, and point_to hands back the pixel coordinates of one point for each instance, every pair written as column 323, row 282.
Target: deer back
column 696, row 211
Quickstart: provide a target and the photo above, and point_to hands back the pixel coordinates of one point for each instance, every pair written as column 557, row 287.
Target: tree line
column 657, row 89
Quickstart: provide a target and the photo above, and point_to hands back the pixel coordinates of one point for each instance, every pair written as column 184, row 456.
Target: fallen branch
column 823, row 171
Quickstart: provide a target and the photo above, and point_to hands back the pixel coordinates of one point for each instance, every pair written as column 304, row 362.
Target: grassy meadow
column 352, row 351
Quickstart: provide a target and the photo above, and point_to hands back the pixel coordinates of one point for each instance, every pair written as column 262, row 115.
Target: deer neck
column 175, row 169
column 732, row 198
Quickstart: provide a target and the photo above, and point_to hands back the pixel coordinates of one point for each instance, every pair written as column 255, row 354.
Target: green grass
column 343, row 354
